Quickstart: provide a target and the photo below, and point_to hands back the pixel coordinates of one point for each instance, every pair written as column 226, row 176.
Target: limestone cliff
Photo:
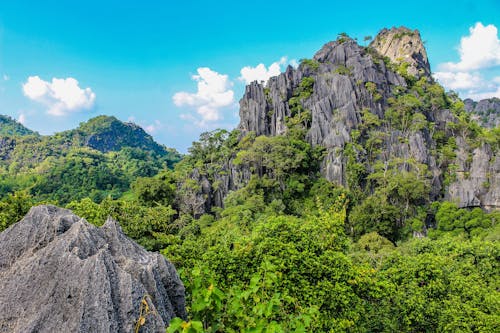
column 486, row 112
column 58, row 273
column 403, row 46
column 347, row 84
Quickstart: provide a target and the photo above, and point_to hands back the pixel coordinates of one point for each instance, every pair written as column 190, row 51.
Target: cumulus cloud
column 154, row 127
column 479, row 57
column 6, row 77
column 481, row 49
column 260, row 73
column 61, row 96
column 459, row 80
column 22, row 118
column 213, row 94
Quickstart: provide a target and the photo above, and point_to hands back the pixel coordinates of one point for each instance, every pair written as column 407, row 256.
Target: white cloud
column 213, row 94
column 260, row 72
column 6, row 77
column 22, row 118
column 154, row 127
column 479, row 58
column 481, row 49
column 459, row 80
column 294, row 63
column 477, row 96
column 61, row 96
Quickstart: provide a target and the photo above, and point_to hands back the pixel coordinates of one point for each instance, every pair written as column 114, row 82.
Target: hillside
column 486, row 112
column 101, row 157
column 375, row 123
column 10, row 127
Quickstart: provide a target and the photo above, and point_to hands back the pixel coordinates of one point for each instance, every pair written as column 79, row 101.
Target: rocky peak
column 58, row 273
column 403, row 45
column 486, row 112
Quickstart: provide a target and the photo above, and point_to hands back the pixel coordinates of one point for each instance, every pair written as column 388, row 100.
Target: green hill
column 10, row 127
column 99, row 158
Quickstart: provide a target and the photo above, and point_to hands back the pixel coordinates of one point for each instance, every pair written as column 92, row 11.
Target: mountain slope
column 486, row 112
column 105, row 133
column 386, row 130
column 100, row 158
column 10, row 127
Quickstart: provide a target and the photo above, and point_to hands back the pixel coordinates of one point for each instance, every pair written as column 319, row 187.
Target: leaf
column 175, row 324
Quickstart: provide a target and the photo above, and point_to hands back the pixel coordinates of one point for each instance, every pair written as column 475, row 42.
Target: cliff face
column 58, row 273
column 346, row 85
column 403, row 46
column 341, row 71
column 486, row 112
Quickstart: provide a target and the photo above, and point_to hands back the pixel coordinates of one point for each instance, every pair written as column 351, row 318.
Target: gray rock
column 477, row 181
column 486, row 112
column 58, row 273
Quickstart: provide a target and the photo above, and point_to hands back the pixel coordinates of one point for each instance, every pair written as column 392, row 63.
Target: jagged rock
column 350, row 80
column 477, row 181
column 486, row 112
column 339, row 94
column 58, row 273
column 403, row 45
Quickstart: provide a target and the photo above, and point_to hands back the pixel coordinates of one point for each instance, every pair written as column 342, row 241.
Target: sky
column 180, row 68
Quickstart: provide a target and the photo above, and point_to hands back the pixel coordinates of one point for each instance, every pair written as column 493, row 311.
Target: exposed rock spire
column 403, row 45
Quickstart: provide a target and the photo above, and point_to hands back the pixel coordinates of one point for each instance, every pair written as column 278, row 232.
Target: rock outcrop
column 58, row 273
column 402, row 45
column 486, row 112
column 347, row 84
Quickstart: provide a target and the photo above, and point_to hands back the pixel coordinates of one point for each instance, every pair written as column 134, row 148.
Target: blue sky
column 175, row 68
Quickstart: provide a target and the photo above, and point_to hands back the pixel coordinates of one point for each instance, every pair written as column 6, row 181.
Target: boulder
column 58, row 273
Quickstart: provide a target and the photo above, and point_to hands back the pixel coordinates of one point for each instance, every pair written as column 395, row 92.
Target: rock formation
column 347, row 81
column 403, row 46
column 58, row 273
column 486, row 112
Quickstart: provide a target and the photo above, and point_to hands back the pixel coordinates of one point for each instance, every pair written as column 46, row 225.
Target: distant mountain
column 10, row 127
column 486, row 111
column 98, row 159
column 105, row 133
column 102, row 133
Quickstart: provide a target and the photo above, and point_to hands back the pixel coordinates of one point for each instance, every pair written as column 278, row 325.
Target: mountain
column 10, row 127
column 486, row 112
column 105, row 133
column 102, row 133
column 59, row 273
column 378, row 117
column 354, row 189
column 100, row 158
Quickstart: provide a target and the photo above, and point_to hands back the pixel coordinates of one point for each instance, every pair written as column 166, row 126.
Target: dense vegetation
column 10, row 127
column 288, row 251
column 99, row 159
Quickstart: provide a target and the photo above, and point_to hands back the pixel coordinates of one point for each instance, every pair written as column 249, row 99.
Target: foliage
column 10, row 127
column 311, row 63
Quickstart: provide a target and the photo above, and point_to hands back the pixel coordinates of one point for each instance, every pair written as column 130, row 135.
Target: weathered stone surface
column 403, row 45
column 58, row 273
column 339, row 94
column 478, row 178
column 486, row 112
